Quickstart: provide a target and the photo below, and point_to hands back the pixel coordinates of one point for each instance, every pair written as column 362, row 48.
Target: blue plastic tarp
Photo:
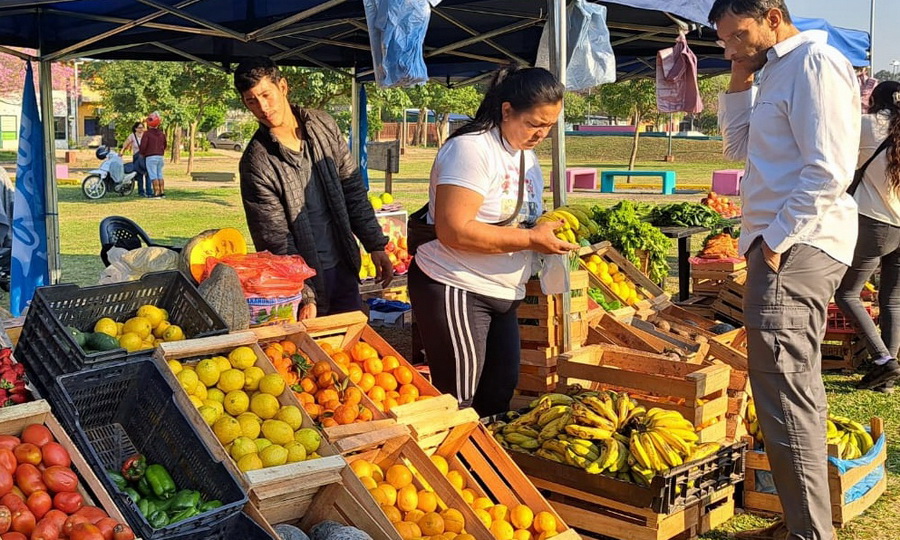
column 854, row 44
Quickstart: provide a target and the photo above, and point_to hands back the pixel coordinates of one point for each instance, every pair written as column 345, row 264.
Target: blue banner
column 30, row 268
column 363, row 135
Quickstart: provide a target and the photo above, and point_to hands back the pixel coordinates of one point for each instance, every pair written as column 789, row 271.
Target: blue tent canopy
column 853, row 43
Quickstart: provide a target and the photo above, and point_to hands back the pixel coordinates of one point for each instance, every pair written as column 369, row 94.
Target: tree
column 421, row 98
column 710, row 88
column 576, row 107
column 885, row 75
column 203, row 91
column 384, row 103
column 317, row 88
column 460, row 100
column 12, row 74
column 635, row 98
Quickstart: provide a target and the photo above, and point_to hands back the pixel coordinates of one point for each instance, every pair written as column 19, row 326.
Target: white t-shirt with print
column 488, row 166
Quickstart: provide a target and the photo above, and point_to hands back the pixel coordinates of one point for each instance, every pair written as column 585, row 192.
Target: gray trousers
column 878, row 243
column 785, row 315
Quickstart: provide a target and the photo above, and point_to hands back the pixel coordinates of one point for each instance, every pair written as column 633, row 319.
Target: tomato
column 106, row 526
column 37, row 435
column 6, row 481
column 28, row 453
column 39, row 503
column 70, row 523
column 85, row 531
column 123, row 532
column 68, row 501
column 54, row 454
column 5, row 519
column 23, row 521
column 92, row 513
column 8, row 460
column 60, row 479
column 28, row 478
column 18, row 492
column 56, row 516
column 9, row 441
column 14, row 536
column 12, row 501
column 45, row 530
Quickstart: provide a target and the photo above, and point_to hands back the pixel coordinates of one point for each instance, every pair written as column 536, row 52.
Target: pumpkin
column 223, row 292
column 216, row 243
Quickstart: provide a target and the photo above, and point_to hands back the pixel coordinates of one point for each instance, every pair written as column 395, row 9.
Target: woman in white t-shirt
column 466, row 285
column 879, row 238
column 133, row 143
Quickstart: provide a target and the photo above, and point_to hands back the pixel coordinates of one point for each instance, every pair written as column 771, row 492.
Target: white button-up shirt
column 798, row 129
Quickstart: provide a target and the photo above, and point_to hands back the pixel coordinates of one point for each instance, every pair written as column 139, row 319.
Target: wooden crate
column 730, row 348
column 14, row 419
column 612, row 519
column 490, row 471
column 708, row 277
column 739, row 395
column 838, row 484
column 624, row 313
column 700, row 306
column 655, row 381
column 612, row 331
column 840, row 351
column 540, row 316
column 432, row 421
column 652, row 293
column 282, row 494
column 730, row 301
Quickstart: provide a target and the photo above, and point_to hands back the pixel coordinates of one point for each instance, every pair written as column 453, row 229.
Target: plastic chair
column 118, row 231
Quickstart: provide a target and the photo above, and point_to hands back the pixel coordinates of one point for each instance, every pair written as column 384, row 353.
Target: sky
column 855, row 14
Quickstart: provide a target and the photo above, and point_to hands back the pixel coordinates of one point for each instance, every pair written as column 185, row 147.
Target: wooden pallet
column 654, row 381
column 838, row 484
column 730, row 301
column 281, row 493
column 609, row 518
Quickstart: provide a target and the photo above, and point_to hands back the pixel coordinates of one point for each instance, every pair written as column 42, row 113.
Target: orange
column 404, row 375
column 499, row 512
column 482, row 502
column 392, row 394
column 390, row 491
column 365, row 414
column 378, row 405
column 431, row 524
column 453, row 520
column 389, row 403
column 456, row 478
column 326, row 380
column 368, row 482
column 469, row 496
column 427, row 503
column 273, row 353
column 329, row 422
column 392, row 513
column 398, row 476
column 485, row 518
column 379, row 495
column 414, row 515
column 544, row 522
column 305, row 397
column 361, row 468
column 326, row 347
column 522, row 534
column 346, row 414
column 352, row 395
column 320, row 368
column 408, row 530
column 408, row 390
column 362, row 351
column 521, row 517
column 386, row 381
column 373, row 366
column 403, row 400
column 390, row 362
column 464, row 537
column 366, row 382
column 340, row 358
column 308, row 384
column 287, row 346
column 312, row 410
column 331, row 404
column 325, row 395
column 376, row 393
column 354, row 373
column 502, row 530
column 407, row 498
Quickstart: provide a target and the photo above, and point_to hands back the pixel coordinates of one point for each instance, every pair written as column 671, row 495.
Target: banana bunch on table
column 577, row 228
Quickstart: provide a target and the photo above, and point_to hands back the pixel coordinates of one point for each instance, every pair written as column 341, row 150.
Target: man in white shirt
column 798, row 130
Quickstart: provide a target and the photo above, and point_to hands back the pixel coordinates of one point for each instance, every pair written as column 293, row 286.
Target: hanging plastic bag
column 266, row 275
column 396, row 35
column 555, row 274
column 591, row 61
column 677, row 89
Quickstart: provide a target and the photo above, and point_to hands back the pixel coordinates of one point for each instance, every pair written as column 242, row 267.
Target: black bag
column 419, row 231
column 860, row 172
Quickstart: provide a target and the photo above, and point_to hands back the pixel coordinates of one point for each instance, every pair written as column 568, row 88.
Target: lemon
column 138, row 325
column 200, row 391
column 224, row 364
column 160, row 329
column 272, row 384
column 209, row 414
column 226, row 429
column 296, row 452
column 250, row 462
column 387, row 198
column 230, row 380
column 188, row 380
column 215, row 394
column 249, row 425
column 290, row 415
column 131, row 342
column 175, row 366
column 241, row 447
column 602, row 265
column 165, row 313
column 242, row 357
column 274, row 455
column 106, row 326
column 592, row 267
column 264, row 406
column 606, row 278
column 119, row 329
column 152, row 313
column 236, row 402
column 309, row 438
column 217, row 405
column 196, row 401
column 252, row 376
column 173, row 333
column 208, row 372
column 277, row 431
column 262, row 443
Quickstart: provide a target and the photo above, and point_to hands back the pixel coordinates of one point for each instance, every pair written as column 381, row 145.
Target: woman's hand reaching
column 543, row 240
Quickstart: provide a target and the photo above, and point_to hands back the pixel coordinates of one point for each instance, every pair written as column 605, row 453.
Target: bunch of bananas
column 751, row 422
column 577, row 228
column 603, row 432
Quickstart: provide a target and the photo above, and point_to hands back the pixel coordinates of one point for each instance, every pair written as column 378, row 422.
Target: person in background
column 133, row 143
column 303, row 194
column 879, row 239
column 866, row 85
column 153, row 147
column 466, row 285
column 798, row 130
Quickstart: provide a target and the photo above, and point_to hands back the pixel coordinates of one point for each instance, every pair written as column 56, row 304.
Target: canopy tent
column 854, row 44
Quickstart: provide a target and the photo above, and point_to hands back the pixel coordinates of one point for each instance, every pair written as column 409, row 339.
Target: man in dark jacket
column 303, row 194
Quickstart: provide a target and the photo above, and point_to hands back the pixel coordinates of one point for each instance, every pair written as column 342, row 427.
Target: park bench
column 608, row 179
column 213, row 177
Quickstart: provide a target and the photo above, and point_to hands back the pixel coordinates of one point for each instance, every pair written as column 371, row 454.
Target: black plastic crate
column 240, row 526
column 113, row 411
column 48, row 350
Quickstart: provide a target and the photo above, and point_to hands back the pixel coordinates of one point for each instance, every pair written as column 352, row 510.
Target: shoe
column 886, row 388
column 775, row 531
column 161, row 196
column 879, row 375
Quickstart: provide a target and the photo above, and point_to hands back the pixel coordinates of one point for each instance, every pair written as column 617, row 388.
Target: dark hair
column 251, row 71
column 883, row 100
column 135, row 126
column 523, row 88
column 756, row 9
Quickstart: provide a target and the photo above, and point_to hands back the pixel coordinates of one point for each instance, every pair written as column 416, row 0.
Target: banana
column 603, row 407
column 553, row 413
column 501, row 440
column 552, row 456
column 579, row 214
column 576, row 460
column 865, row 441
column 610, row 454
column 522, row 440
column 586, row 432
column 636, row 446
column 555, row 399
column 656, row 460
column 594, row 467
column 687, row 435
column 621, row 463
column 671, row 422
column 584, row 415
column 703, row 450
column 666, row 452
column 531, row 416
column 623, row 406
column 677, row 443
column 571, row 220
column 831, row 430
column 584, row 448
column 637, row 412
column 553, row 428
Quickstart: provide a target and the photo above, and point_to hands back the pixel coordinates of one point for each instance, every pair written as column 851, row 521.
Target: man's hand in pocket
column 773, row 260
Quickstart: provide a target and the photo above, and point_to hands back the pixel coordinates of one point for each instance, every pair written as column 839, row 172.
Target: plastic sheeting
column 868, row 482
column 591, row 61
column 397, row 34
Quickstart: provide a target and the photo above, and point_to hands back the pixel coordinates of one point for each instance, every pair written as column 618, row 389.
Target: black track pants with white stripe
column 471, row 342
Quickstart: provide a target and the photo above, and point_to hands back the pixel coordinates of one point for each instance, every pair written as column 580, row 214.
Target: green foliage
column 576, row 107
column 317, row 88
column 635, row 99
column 624, row 227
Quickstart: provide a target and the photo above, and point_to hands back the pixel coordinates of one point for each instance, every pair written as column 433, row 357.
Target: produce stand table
column 683, row 235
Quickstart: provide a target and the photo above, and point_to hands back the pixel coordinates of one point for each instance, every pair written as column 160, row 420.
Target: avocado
column 79, row 336
column 102, row 342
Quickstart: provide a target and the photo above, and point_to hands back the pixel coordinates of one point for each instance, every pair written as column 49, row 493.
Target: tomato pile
column 39, row 498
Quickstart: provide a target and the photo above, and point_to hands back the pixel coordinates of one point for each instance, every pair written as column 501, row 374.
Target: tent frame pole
column 354, row 117
column 52, row 204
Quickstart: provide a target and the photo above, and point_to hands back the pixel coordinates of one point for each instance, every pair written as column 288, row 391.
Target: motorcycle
column 104, row 179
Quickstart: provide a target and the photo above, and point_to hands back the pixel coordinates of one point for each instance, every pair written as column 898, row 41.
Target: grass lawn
column 191, row 208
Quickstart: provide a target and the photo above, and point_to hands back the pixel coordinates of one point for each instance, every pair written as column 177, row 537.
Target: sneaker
column 161, row 196
column 879, row 375
column 886, row 388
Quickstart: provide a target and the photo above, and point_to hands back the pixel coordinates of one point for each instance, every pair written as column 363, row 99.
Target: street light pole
column 894, row 66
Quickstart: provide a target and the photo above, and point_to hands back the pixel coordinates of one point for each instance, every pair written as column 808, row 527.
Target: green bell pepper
column 160, row 482
column 162, row 504
column 132, row 494
column 143, row 486
column 158, row 519
column 185, row 499
column 209, row 505
column 144, row 506
column 118, row 479
column 183, row 515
